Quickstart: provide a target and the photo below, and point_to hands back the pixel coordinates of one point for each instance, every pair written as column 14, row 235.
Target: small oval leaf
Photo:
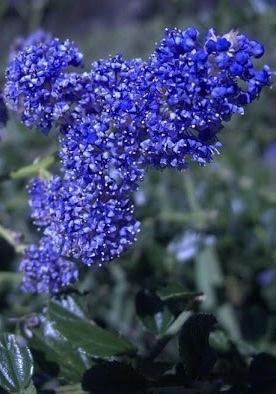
column 16, row 364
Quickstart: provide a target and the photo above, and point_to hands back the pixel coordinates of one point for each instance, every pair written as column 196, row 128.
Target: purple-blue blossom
column 36, row 38
column 265, row 278
column 82, row 221
column 103, row 155
column 270, row 155
column 103, row 141
column 31, row 77
column 192, row 89
column 44, row 270
column 115, row 121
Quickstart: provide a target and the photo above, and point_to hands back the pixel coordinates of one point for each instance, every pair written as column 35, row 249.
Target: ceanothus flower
column 192, row 89
column 115, row 121
column 103, row 141
column 83, row 222
column 31, row 77
column 42, row 196
column 36, row 38
column 103, row 155
column 44, row 270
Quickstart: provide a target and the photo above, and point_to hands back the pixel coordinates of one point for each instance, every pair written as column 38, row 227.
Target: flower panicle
column 116, row 121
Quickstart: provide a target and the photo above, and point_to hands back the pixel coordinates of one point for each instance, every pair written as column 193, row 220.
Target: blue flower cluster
column 45, row 271
column 33, row 81
column 103, row 143
column 36, row 38
column 115, row 121
column 81, row 221
column 193, row 89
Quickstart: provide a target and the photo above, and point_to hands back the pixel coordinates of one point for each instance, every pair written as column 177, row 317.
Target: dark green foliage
column 83, row 334
column 196, row 355
column 113, row 378
column 152, row 312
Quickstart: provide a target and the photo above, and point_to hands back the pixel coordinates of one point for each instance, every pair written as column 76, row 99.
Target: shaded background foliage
column 210, row 230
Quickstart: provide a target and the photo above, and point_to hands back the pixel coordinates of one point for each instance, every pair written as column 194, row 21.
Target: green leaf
column 208, row 275
column 176, row 292
column 3, row 8
column 165, row 321
column 13, row 238
column 16, row 364
column 176, row 326
column 72, row 304
column 159, row 323
column 151, row 311
column 228, row 319
column 70, row 389
column 10, row 278
column 81, row 333
column 30, row 390
column 72, row 362
column 220, row 341
column 34, row 169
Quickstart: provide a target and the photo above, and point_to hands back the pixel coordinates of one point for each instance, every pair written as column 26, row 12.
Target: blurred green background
column 210, row 229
